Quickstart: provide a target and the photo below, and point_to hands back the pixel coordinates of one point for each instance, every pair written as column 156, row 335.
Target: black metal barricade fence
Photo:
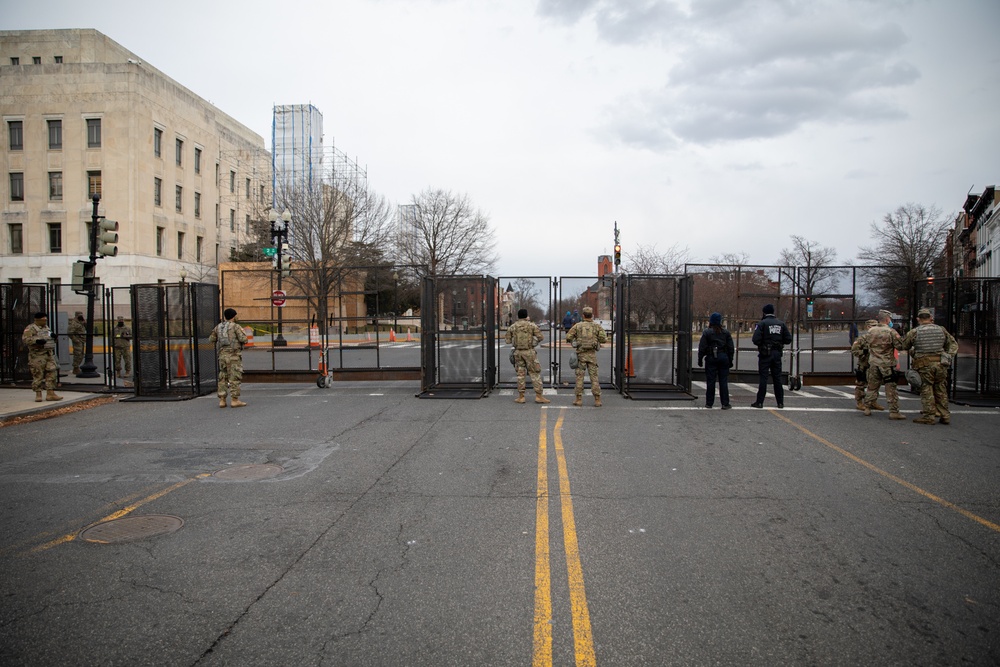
column 18, row 304
column 535, row 294
column 970, row 309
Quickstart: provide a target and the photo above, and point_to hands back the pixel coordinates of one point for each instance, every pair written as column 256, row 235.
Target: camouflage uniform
column 121, row 336
column 587, row 359
column 41, row 358
column 77, row 331
column 524, row 335
column 933, row 348
column 229, row 338
column 882, row 341
column 860, row 350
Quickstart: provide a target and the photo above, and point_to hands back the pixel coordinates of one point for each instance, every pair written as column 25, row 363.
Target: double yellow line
column 583, row 640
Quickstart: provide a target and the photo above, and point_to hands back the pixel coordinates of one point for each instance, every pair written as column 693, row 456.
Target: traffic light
column 108, row 237
column 618, row 254
column 83, row 277
column 286, row 260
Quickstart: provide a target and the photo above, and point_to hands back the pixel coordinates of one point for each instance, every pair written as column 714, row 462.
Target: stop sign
column 278, row 298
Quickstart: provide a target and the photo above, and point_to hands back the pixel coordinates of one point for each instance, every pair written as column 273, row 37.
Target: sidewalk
column 18, row 402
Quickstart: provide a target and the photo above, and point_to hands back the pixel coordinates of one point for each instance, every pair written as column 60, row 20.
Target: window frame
column 18, row 248
column 15, row 139
column 55, row 235
column 197, row 204
column 159, row 240
column 157, row 142
column 180, row 245
column 16, row 186
column 157, row 192
column 54, row 127
column 197, row 160
column 179, row 151
column 94, row 137
column 179, row 198
column 94, row 177
column 55, row 186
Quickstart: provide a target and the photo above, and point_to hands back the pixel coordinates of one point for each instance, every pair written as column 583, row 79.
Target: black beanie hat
column 769, row 309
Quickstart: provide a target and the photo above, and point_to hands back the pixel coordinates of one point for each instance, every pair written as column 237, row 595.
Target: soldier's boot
column 578, row 401
column 925, row 419
column 597, row 401
column 520, row 396
column 237, row 403
column 945, row 420
column 868, row 410
column 52, row 396
column 897, row 415
column 38, row 397
column 876, row 406
column 222, row 401
column 861, row 404
column 76, row 370
column 541, row 399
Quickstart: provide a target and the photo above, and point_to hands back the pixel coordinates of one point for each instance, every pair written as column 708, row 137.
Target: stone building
column 83, row 115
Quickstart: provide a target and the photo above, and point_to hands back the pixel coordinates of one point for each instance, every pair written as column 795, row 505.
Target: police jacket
column 771, row 334
column 715, row 343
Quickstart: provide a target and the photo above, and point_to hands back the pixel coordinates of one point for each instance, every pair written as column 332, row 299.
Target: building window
column 232, row 181
column 179, row 199
column 55, row 135
column 157, row 192
column 57, row 59
column 262, row 195
column 197, row 205
column 248, row 189
column 199, row 243
column 36, row 60
column 16, row 186
column 157, row 142
column 232, row 220
column 55, row 282
column 93, row 184
column 16, row 239
column 15, row 132
column 180, row 245
column 197, row 160
column 159, row 241
column 179, row 150
column 55, row 237
column 15, row 61
column 248, row 224
column 93, row 133
column 55, row 185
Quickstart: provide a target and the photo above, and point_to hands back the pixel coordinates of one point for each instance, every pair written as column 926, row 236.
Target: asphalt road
column 400, row 531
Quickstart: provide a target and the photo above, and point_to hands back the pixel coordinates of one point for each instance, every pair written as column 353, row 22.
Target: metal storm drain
column 131, row 528
column 249, row 472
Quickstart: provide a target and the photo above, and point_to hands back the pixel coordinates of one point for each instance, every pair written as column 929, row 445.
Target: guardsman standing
column 860, row 350
column 882, row 341
column 933, row 350
column 77, row 331
column 37, row 337
column 770, row 336
column 229, row 339
column 121, row 337
column 587, row 336
column 524, row 335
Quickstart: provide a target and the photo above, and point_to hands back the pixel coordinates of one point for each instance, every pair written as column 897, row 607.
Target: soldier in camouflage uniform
column 229, row 339
column 121, row 337
column 77, row 331
column 860, row 350
column 933, row 349
column 37, row 337
column 882, row 342
column 587, row 336
column 524, row 335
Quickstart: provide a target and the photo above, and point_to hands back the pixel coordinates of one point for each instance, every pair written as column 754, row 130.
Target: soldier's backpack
column 587, row 338
column 523, row 340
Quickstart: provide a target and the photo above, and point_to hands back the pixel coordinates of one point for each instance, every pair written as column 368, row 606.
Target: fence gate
column 172, row 355
column 653, row 336
column 970, row 309
column 459, row 315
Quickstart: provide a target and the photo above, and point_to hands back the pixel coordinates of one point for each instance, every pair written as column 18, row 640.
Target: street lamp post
column 89, row 369
column 395, row 301
column 454, row 310
column 279, row 236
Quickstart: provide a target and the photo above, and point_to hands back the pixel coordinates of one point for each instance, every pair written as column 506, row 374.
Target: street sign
column 269, row 251
column 278, row 298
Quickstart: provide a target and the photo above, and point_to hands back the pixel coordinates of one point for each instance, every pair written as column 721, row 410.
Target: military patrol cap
column 78, row 313
column 121, row 318
column 588, row 311
column 924, row 313
column 871, row 323
column 884, row 313
column 523, row 313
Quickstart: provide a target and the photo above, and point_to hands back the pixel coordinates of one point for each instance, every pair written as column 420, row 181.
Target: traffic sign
column 278, row 298
column 269, row 251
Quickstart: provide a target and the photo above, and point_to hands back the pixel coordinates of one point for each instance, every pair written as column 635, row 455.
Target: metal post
column 89, row 369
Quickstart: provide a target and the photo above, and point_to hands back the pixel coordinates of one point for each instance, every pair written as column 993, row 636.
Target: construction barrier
column 392, row 335
column 314, row 336
column 182, row 371
column 249, row 332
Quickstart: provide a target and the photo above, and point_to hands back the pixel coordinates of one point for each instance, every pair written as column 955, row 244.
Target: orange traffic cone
column 408, row 336
column 629, row 368
column 314, row 336
column 392, row 335
column 182, row 371
column 249, row 332
column 322, row 366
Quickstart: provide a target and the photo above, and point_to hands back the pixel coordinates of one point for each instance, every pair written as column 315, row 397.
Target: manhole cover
column 132, row 528
column 251, row 471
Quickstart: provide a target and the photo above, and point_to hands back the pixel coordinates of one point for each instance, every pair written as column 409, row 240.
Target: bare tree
column 807, row 264
column 338, row 223
column 647, row 260
column 909, row 244
column 447, row 234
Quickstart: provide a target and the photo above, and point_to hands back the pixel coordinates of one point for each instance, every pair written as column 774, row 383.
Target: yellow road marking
column 902, row 482
column 583, row 639
column 542, row 647
column 119, row 514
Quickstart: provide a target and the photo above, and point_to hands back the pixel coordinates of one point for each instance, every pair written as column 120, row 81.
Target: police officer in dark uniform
column 770, row 336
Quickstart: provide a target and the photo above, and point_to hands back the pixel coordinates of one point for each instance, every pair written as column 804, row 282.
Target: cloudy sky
column 720, row 126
